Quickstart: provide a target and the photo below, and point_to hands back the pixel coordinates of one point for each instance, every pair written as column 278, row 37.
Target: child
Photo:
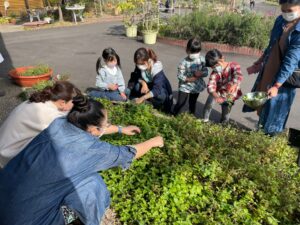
column 191, row 71
column 223, row 85
column 109, row 80
column 149, row 82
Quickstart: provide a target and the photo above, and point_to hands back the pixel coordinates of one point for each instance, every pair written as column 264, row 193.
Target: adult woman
column 59, row 168
column 32, row 116
column 278, row 63
column 149, row 82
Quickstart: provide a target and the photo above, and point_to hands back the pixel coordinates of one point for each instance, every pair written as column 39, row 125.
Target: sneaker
column 205, row 120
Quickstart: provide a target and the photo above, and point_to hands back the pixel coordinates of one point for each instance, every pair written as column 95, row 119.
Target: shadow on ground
column 215, row 116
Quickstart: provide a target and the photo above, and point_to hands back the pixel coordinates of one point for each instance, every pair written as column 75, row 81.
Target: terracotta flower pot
column 28, row 81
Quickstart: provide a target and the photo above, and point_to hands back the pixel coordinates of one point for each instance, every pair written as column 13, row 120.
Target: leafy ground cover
column 205, row 174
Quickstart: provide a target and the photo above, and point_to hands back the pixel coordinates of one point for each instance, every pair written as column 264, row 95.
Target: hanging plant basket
column 22, row 77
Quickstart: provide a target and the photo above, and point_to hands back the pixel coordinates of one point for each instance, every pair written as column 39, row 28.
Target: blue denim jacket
column 291, row 60
column 33, row 185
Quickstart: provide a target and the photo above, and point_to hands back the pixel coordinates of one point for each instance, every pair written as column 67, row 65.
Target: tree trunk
column 26, row 4
column 60, row 13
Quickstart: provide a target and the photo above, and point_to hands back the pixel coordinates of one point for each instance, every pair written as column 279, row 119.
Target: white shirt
column 24, row 123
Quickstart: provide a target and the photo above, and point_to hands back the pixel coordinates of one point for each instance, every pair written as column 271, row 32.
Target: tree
column 58, row 3
column 26, row 4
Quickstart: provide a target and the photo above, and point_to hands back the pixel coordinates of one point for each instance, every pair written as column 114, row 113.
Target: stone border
column 210, row 45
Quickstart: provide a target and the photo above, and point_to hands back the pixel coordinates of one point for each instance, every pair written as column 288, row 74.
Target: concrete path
column 75, row 50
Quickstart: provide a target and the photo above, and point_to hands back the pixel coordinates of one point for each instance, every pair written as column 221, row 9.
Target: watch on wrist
column 120, row 129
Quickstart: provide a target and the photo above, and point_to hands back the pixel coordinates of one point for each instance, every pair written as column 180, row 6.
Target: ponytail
column 86, row 112
column 61, row 90
column 152, row 54
column 98, row 65
column 142, row 55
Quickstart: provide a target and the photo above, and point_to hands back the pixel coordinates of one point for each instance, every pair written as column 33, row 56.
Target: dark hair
column 86, row 112
column 193, row 46
column 60, row 90
column 143, row 54
column 296, row 2
column 212, row 57
column 108, row 54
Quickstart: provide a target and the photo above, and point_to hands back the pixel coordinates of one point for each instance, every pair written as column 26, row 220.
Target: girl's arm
column 121, row 81
column 101, row 80
column 181, row 75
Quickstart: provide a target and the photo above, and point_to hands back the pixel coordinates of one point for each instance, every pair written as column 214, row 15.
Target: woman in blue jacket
column 276, row 66
column 149, row 82
column 59, row 168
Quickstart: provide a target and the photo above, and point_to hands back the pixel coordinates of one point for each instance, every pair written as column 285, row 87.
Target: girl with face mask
column 223, row 85
column 148, row 82
column 109, row 80
column 276, row 66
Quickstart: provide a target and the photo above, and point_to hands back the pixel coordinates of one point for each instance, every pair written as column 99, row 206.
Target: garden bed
column 205, row 174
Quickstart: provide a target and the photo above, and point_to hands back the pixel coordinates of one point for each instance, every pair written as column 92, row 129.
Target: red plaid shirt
column 221, row 82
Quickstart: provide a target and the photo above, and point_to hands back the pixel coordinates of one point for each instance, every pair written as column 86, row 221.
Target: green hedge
column 205, row 174
column 229, row 28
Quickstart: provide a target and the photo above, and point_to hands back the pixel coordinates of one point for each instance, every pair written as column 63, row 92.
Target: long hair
column 61, row 90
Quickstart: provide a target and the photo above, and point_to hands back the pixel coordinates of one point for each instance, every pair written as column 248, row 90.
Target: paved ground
column 75, row 50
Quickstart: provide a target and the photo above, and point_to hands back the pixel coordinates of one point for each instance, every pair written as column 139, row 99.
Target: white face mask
column 290, row 16
column 194, row 56
column 218, row 69
column 142, row 67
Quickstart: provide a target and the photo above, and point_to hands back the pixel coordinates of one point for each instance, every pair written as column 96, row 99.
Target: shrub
column 35, row 71
column 205, row 174
column 231, row 28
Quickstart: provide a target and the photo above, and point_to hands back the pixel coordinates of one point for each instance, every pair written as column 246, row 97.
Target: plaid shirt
column 187, row 68
column 221, row 82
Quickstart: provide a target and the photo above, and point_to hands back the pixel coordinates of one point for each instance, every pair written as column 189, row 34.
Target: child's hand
column 139, row 100
column 198, row 74
column 123, row 95
column 191, row 79
column 145, row 89
column 112, row 87
column 219, row 100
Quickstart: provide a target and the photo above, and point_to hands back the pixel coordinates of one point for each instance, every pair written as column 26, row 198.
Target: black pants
column 182, row 99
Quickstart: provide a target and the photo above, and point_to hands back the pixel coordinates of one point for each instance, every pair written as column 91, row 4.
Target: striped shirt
column 221, row 82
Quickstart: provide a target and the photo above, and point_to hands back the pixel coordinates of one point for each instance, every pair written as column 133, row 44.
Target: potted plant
column 13, row 18
column 150, row 23
column 131, row 9
column 30, row 75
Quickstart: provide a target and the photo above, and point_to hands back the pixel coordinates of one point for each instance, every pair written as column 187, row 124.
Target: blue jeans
column 89, row 200
column 110, row 95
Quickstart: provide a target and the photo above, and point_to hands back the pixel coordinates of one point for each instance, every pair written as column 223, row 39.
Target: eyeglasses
column 103, row 127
